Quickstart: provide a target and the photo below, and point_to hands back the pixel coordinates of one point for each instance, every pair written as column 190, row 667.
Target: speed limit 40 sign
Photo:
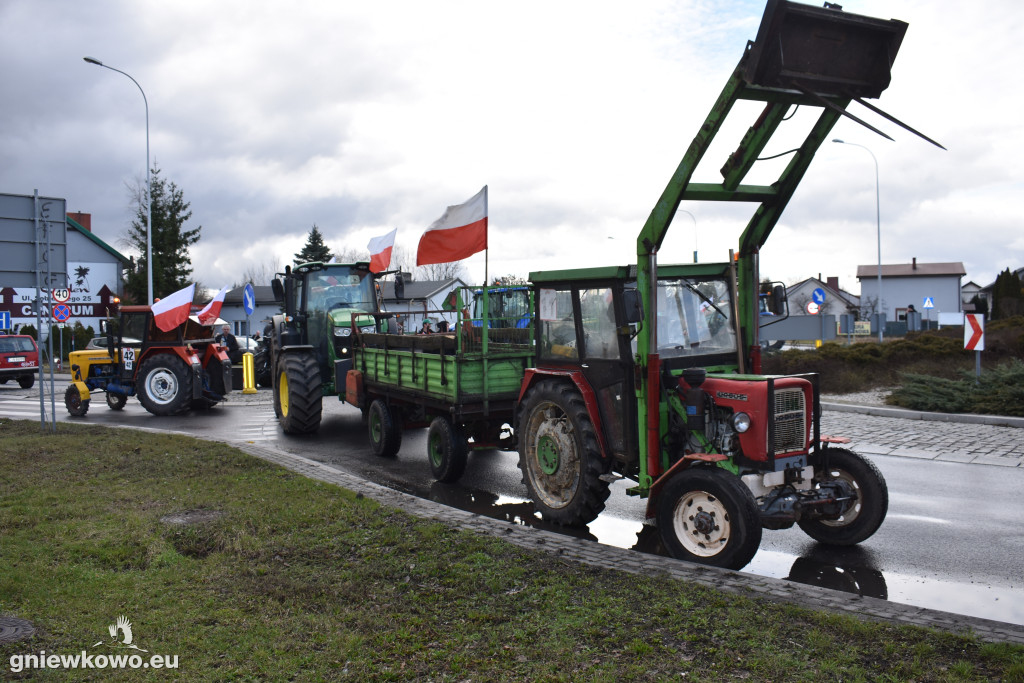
column 61, row 295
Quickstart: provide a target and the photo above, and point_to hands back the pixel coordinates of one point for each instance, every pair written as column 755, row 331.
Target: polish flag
column 173, row 309
column 380, row 251
column 458, row 234
column 212, row 310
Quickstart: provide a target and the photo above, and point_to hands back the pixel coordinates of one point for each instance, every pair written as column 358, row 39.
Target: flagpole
column 487, row 251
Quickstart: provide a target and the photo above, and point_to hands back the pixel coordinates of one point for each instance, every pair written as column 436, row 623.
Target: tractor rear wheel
column 74, row 403
column 385, row 429
column 448, row 450
column 115, row 401
column 862, row 516
column 559, row 455
column 298, row 400
column 707, row 515
column 165, row 385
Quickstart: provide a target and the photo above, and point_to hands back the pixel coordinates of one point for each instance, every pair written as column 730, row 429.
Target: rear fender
column 535, row 375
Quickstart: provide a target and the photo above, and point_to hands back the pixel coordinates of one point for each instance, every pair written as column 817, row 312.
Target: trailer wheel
column 115, row 401
column 560, row 457
column 74, row 403
column 298, row 400
column 384, row 428
column 863, row 516
column 448, row 450
column 165, row 385
column 708, row 516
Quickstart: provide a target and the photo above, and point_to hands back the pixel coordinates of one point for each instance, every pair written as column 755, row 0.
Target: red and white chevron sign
column 974, row 332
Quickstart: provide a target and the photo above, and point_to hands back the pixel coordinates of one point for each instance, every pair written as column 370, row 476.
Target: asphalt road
column 953, row 539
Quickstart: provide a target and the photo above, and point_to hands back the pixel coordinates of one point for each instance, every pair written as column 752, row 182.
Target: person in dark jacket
column 231, row 344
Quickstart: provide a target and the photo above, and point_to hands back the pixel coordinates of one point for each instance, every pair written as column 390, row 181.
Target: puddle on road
column 851, row 570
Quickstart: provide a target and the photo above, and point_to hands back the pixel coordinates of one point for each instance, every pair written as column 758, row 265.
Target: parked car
column 19, row 359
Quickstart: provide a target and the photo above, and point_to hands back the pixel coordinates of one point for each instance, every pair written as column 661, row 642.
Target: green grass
column 293, row 579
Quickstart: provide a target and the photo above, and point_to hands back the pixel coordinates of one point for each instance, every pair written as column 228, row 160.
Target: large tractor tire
column 164, row 385
column 74, row 403
column 448, row 450
column 707, row 515
column 384, row 427
column 298, row 400
column 863, row 516
column 559, row 455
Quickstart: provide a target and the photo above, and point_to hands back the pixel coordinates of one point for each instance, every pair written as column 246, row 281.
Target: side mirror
column 633, row 305
column 399, row 286
column 278, row 289
column 778, row 300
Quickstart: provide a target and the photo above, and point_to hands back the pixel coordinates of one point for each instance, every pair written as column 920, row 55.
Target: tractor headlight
column 741, row 422
column 342, row 331
column 367, row 329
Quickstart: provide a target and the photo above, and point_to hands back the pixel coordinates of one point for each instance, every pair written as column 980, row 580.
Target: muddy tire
column 559, row 455
column 863, row 516
column 298, row 400
column 384, row 429
column 447, row 449
column 165, row 385
column 707, row 515
column 115, row 401
column 74, row 403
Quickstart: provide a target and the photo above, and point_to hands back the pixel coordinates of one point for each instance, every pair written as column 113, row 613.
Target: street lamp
column 694, row 231
column 878, row 219
column 149, row 187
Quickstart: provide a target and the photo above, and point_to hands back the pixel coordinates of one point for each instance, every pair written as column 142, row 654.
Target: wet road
column 953, row 539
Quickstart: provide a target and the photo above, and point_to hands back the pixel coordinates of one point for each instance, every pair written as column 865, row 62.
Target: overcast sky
column 361, row 117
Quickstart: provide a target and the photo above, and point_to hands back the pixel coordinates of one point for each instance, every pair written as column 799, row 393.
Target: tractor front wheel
column 559, row 455
column 448, row 450
column 707, row 515
column 861, row 516
column 74, row 403
column 165, row 385
column 298, row 400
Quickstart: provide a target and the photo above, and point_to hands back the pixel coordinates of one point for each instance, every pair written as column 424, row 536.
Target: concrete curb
column 907, row 414
column 608, row 557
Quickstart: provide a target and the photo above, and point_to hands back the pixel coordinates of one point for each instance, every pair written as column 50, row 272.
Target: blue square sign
column 5, row 320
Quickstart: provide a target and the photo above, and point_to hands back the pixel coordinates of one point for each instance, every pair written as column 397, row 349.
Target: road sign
column 812, row 308
column 61, row 313
column 61, row 295
column 5, row 320
column 929, row 302
column 248, row 299
column 818, row 296
column 974, row 332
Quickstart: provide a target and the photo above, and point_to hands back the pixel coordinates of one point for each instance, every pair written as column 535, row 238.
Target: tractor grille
column 790, row 420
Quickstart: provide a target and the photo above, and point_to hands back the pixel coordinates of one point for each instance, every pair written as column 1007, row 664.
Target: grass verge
column 278, row 577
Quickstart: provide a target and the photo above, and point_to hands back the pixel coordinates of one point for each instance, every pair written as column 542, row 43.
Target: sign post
column 974, row 338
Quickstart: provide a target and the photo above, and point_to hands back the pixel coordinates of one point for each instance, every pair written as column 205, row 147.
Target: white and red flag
column 458, row 234
column 173, row 309
column 212, row 310
column 380, row 251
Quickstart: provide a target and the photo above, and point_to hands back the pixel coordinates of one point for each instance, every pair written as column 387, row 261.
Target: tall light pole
column 878, row 220
column 149, row 186
column 694, row 231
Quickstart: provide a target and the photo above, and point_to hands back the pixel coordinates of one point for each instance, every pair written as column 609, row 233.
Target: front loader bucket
column 823, row 50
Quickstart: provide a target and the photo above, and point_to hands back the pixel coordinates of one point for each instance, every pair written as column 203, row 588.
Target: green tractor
column 325, row 305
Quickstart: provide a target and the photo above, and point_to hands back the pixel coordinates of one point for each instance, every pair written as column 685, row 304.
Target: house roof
column 264, row 295
column 75, row 225
column 841, row 294
column 419, row 289
column 912, row 270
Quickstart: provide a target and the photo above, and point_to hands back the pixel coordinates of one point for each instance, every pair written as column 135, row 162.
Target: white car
column 101, row 342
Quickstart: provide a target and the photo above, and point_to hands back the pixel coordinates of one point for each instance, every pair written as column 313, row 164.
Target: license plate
column 16, row 359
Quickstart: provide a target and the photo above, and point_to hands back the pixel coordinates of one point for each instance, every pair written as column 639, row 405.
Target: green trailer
column 464, row 383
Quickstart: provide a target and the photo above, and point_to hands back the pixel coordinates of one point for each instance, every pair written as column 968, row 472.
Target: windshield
column 694, row 317
column 340, row 286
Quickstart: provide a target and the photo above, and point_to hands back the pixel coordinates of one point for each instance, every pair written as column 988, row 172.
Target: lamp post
column 694, row 231
column 149, row 187
column 878, row 220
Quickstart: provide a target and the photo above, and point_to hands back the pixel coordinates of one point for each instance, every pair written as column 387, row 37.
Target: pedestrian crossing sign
column 929, row 302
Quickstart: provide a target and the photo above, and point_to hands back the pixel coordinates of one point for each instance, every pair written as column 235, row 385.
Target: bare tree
column 441, row 271
column 260, row 273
